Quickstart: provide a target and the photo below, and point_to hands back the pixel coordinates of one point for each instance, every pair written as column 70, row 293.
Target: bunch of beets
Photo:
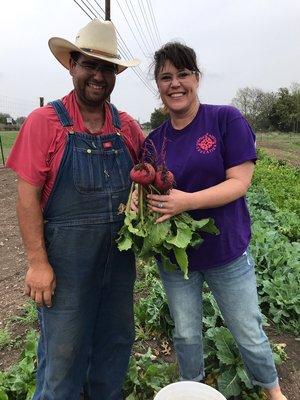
column 166, row 241
column 159, row 180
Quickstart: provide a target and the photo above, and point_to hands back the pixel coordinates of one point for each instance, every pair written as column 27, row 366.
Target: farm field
column 283, row 146
column 275, row 208
column 7, row 139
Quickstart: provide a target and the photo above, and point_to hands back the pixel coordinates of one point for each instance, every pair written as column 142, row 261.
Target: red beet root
column 143, row 173
column 163, row 180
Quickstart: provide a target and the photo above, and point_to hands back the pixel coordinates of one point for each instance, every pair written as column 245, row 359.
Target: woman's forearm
column 218, row 195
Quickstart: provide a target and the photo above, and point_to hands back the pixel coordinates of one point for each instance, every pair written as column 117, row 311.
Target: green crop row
column 274, row 205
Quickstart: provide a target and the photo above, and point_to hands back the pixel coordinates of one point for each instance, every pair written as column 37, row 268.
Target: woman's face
column 178, row 88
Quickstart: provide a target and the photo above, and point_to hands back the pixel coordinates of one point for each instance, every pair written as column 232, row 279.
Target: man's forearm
column 32, row 227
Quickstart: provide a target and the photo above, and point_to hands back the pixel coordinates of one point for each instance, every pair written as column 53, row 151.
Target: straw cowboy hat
column 98, row 40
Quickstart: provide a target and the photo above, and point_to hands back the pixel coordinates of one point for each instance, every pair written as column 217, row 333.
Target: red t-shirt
column 40, row 144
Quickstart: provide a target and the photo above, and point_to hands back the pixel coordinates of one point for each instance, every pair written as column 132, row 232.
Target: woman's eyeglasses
column 181, row 76
column 93, row 68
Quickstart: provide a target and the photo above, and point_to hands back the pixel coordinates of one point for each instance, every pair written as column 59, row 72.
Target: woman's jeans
column 234, row 288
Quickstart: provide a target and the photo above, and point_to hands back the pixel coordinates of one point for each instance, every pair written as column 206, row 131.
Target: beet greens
column 167, row 240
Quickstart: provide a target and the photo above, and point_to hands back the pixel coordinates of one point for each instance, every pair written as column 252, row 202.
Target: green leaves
column 146, row 377
column 182, row 260
column 168, row 240
column 19, row 381
column 225, row 345
column 276, row 252
column 183, row 236
column 229, row 382
column 3, row 395
column 222, row 352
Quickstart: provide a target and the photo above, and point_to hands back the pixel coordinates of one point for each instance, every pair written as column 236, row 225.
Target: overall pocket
column 88, row 170
column 116, row 169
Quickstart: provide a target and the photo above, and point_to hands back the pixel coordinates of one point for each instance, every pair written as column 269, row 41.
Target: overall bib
column 87, row 335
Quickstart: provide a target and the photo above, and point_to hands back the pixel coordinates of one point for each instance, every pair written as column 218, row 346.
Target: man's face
column 93, row 80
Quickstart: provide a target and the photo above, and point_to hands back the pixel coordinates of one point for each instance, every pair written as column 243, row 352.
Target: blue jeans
column 86, row 337
column 234, row 288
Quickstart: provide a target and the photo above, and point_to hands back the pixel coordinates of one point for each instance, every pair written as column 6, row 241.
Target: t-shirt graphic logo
column 206, row 144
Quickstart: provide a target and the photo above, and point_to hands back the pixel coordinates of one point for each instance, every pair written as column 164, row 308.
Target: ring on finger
column 160, row 205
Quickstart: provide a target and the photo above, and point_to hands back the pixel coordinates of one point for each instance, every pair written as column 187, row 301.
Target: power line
column 82, row 8
column 131, row 28
column 137, row 69
column 137, row 22
column 99, row 6
column 146, row 22
column 154, row 22
column 17, row 107
column 96, row 16
column 94, row 8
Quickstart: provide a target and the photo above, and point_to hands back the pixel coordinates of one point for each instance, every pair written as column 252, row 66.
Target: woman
column 211, row 151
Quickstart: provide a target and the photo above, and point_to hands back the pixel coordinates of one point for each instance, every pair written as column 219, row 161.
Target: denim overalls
column 87, row 335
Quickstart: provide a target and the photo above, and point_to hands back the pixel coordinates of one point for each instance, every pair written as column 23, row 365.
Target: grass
column 285, row 140
column 28, row 314
column 7, row 139
column 5, row 337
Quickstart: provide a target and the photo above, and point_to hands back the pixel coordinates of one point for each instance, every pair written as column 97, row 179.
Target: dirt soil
column 281, row 152
column 12, row 267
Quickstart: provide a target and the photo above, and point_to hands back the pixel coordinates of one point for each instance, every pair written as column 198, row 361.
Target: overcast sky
column 239, row 43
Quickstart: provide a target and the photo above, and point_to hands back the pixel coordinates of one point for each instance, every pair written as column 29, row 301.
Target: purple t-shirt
column 218, row 138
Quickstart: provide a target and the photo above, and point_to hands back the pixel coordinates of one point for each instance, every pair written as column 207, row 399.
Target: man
column 73, row 159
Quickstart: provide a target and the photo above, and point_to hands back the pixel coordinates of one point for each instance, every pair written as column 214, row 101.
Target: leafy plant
column 223, row 357
column 211, row 313
column 5, row 338
column 281, row 182
column 275, row 243
column 147, row 239
column 146, row 377
column 18, row 382
column 225, row 366
column 29, row 313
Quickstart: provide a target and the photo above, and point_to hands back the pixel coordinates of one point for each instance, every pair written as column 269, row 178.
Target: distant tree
column 255, row 105
column 268, row 110
column 243, row 100
column 295, row 90
column 284, row 110
column 265, row 103
column 158, row 116
column 20, row 120
column 146, row 125
column 3, row 117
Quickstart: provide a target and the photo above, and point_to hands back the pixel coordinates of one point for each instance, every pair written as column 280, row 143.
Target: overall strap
column 62, row 113
column 115, row 116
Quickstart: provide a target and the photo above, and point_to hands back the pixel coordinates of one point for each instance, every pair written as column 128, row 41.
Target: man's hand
column 40, row 284
column 134, row 205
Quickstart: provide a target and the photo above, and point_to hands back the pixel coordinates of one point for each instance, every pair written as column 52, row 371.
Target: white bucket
column 188, row 390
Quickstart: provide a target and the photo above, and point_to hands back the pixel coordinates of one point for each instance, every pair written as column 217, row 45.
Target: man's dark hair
column 180, row 55
column 75, row 55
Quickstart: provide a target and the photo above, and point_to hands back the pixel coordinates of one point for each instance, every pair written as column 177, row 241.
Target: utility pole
column 107, row 18
column 107, row 10
column 2, row 153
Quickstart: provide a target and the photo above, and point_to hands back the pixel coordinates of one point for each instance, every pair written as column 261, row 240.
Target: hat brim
column 62, row 48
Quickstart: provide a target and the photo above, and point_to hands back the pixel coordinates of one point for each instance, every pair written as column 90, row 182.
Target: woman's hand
column 168, row 205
